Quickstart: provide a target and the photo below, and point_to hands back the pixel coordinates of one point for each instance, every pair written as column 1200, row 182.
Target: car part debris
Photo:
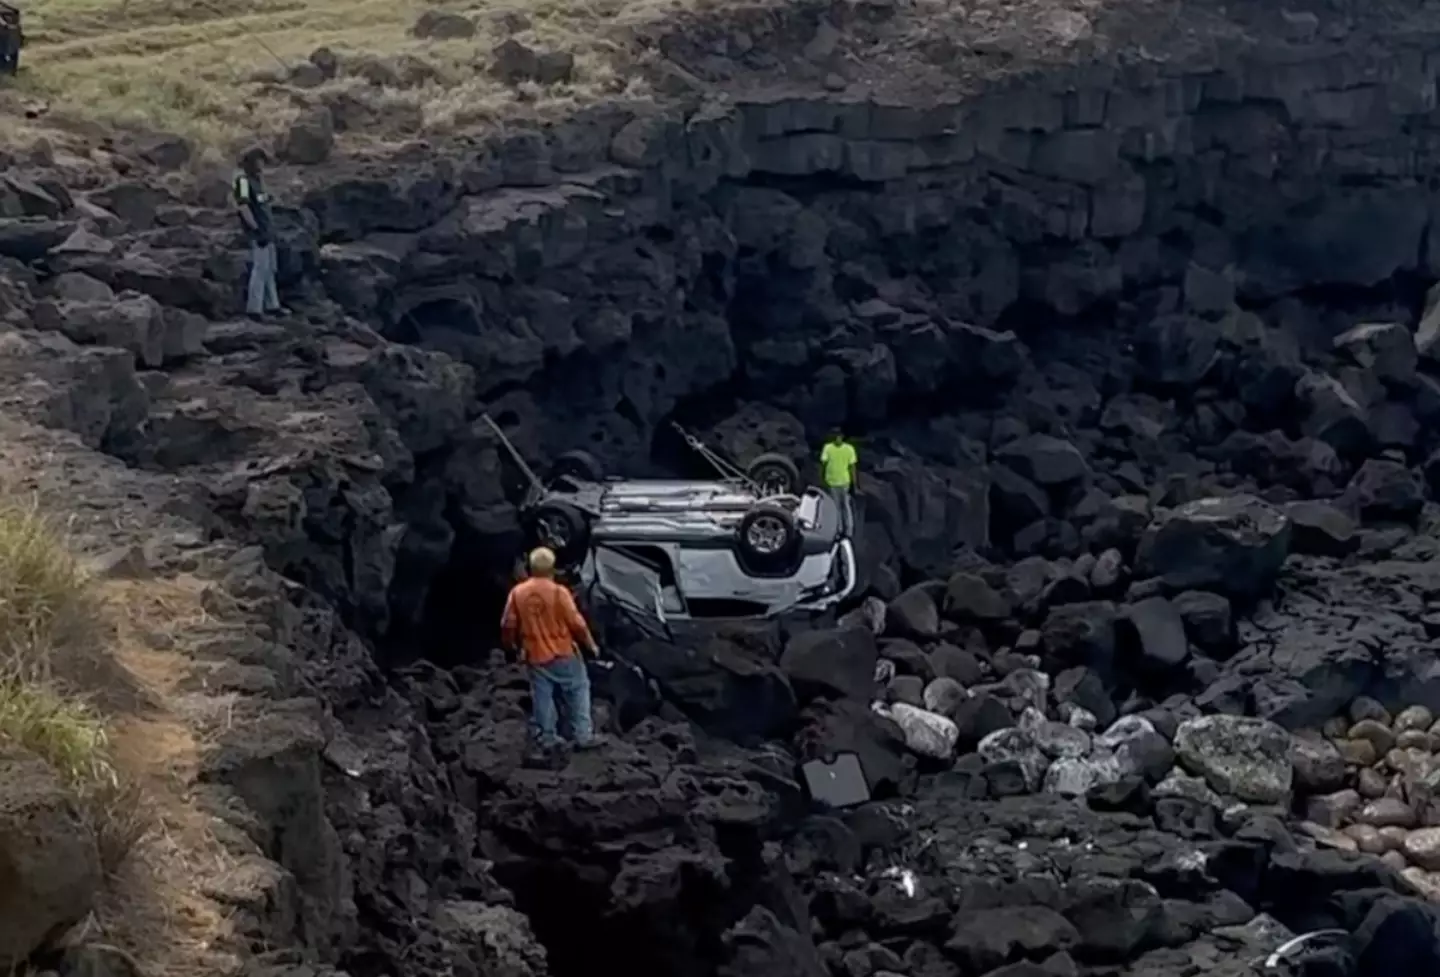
column 904, row 878
column 344, row 755
column 1291, row 948
column 837, row 782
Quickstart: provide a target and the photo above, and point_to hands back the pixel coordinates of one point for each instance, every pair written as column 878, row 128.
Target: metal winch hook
column 691, row 441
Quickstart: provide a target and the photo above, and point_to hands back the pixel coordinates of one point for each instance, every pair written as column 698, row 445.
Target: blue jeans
column 262, row 296
column 567, row 677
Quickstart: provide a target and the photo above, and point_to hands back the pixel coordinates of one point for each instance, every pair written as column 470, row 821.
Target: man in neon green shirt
column 838, row 461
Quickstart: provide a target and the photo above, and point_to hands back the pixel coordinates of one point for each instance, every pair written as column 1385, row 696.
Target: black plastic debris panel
column 838, row 781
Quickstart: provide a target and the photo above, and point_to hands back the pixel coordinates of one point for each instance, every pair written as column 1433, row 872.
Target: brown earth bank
column 1127, row 310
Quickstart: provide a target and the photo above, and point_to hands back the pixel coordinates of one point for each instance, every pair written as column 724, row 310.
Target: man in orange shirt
column 542, row 620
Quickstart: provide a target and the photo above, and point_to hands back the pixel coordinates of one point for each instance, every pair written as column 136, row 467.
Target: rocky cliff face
column 869, row 260
column 847, row 259
column 1057, row 308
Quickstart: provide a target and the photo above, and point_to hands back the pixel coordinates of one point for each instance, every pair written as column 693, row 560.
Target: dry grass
column 49, row 617
column 45, row 598
column 90, row 674
column 158, row 748
column 207, row 69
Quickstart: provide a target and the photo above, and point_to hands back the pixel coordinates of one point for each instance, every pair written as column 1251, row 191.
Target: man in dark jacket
column 252, row 204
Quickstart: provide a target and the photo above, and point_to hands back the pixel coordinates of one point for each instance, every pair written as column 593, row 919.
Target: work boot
column 593, row 743
column 546, row 759
column 543, row 755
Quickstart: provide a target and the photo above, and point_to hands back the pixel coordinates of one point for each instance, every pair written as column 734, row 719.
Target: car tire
column 768, row 539
column 562, row 527
column 579, row 465
column 775, row 474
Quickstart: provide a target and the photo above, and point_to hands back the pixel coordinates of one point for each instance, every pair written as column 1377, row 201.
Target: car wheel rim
column 553, row 532
column 767, row 535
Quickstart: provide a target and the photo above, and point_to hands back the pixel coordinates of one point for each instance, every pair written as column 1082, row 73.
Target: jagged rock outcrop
column 48, row 856
column 622, row 284
column 1104, row 509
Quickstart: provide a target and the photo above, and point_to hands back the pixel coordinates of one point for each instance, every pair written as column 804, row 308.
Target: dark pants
column 9, row 53
column 567, row 680
column 261, row 296
column 841, row 495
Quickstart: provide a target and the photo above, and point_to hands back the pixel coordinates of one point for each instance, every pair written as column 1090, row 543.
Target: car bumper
column 841, row 584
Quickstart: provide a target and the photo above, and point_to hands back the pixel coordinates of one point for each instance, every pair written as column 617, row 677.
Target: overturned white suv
column 749, row 543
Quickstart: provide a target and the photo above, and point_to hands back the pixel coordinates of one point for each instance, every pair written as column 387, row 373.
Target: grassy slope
column 50, row 618
column 199, row 67
column 91, row 675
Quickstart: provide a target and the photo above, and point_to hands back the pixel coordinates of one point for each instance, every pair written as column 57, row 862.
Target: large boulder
column 926, row 733
column 1018, row 748
column 1319, row 767
column 443, row 25
column 513, row 63
column 49, row 864
column 1209, row 620
column 1320, row 529
column 1241, row 756
column 1119, row 523
column 1177, row 350
column 968, row 597
column 1384, row 489
column 832, row 663
column 923, row 513
column 1083, row 687
column 979, row 716
column 132, row 322
column 761, row 945
column 1233, row 545
column 1081, row 634
column 1076, row 776
column 29, row 238
column 1331, row 414
column 488, row 939
column 1398, row 936
column 944, row 696
column 913, row 613
column 1044, row 460
column 1157, row 635
column 726, row 689
column 310, row 138
column 1138, row 747
column 1386, row 349
column 987, row 938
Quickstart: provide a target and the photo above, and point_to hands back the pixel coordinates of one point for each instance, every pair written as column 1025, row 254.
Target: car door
column 630, row 581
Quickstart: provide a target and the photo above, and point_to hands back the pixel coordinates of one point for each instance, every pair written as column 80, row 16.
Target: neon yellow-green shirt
column 838, row 460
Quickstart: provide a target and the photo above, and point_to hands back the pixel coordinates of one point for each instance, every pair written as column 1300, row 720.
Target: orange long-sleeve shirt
column 541, row 614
